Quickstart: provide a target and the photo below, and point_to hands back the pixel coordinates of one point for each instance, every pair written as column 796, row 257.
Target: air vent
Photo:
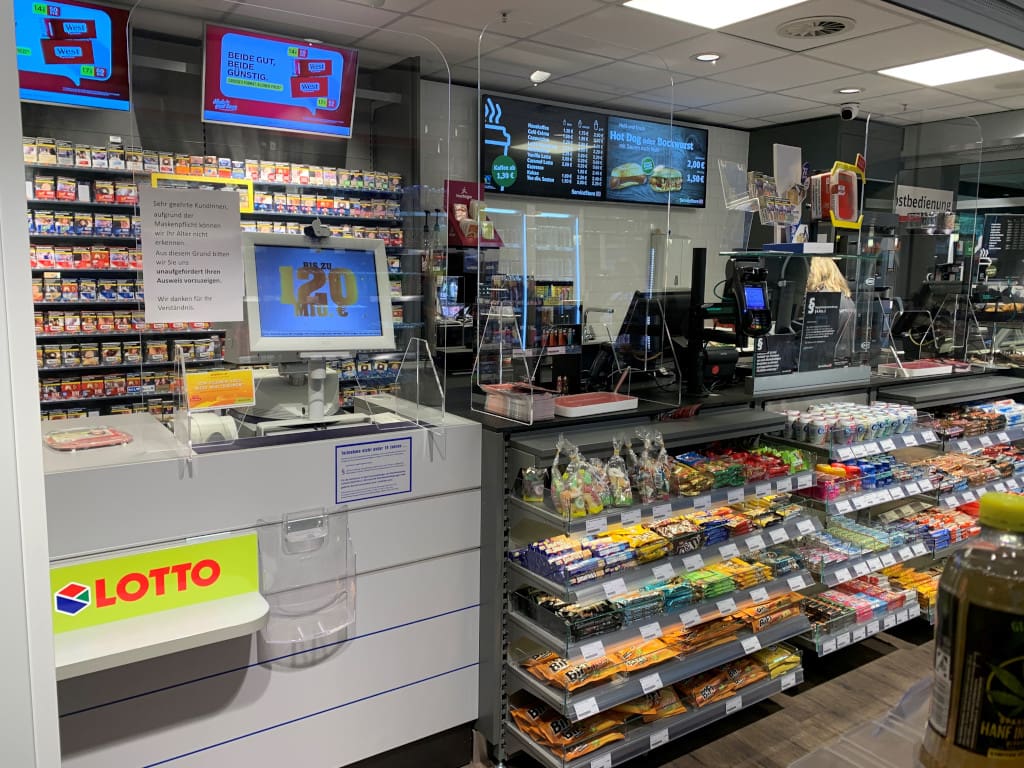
column 816, row 26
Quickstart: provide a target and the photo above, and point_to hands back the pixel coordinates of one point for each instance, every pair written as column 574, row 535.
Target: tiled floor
column 840, row 691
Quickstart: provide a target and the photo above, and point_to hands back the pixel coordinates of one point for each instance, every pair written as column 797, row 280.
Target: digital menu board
column 528, row 148
column 266, row 81
column 654, row 162
column 72, row 53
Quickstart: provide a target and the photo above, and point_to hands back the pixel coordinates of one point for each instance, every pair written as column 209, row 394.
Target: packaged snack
column 777, row 659
column 533, row 484
column 707, row 688
column 618, row 477
column 586, row 747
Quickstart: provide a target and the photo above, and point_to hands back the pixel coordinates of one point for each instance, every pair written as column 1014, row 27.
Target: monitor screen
column 311, row 297
column 451, row 311
column 267, row 81
column 72, row 53
column 654, row 162
column 530, row 148
column 753, row 297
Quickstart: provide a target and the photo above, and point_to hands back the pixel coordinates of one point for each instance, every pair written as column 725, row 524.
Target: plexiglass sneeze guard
column 368, row 186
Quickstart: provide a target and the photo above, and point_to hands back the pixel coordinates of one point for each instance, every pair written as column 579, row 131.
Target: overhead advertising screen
column 265, row 81
column 72, row 53
column 654, row 162
column 529, row 148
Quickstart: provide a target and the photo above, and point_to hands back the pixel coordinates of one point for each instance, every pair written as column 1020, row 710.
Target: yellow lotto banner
column 101, row 591
column 208, row 390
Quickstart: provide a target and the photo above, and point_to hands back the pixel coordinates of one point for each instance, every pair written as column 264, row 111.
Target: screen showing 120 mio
column 308, row 293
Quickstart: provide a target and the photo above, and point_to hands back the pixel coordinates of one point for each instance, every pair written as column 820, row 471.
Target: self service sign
column 101, row 591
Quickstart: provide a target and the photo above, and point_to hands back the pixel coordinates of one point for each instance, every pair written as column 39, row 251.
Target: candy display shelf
column 979, row 442
column 643, row 739
column 824, row 643
column 655, row 626
column 848, row 570
column 951, row 500
column 598, row 698
column 843, row 452
column 545, row 511
column 855, row 502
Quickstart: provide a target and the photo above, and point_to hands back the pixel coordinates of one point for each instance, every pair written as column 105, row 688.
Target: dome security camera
column 849, row 110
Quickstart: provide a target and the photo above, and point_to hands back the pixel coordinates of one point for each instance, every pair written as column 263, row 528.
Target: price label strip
column 659, row 738
column 664, row 572
column 614, row 588
column 597, row 525
column 693, row 562
column 729, row 550
column 591, row 651
column 662, row 511
column 585, row 708
column 778, row 535
column 632, row 517
column 805, row 527
column 650, row 631
column 651, row 683
column 735, row 704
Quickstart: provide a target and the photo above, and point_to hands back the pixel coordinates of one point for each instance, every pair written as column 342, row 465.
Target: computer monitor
column 451, row 311
column 650, row 317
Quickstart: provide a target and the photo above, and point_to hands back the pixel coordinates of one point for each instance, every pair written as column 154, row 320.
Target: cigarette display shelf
column 327, row 217
column 980, row 442
column 87, row 369
column 133, row 303
column 126, row 398
column 843, row 452
column 642, row 739
column 823, row 642
column 854, row 568
column 90, row 272
column 545, row 511
column 85, row 205
column 1006, row 484
column 387, row 194
column 599, row 698
column 82, row 239
column 655, row 626
column 42, row 338
column 76, row 170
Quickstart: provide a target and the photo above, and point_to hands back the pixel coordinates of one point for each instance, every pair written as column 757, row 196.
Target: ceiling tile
column 699, row 92
column 522, row 58
column 970, row 109
column 765, row 104
column 638, row 105
column 478, row 13
column 709, row 116
column 735, row 53
column 872, row 85
column 466, row 75
column 910, row 101
column 622, row 76
column 750, row 124
column 573, row 94
column 331, row 20
column 618, row 32
column 867, row 19
column 989, row 88
column 789, row 70
column 906, row 45
column 1014, row 102
column 803, row 114
column 419, row 36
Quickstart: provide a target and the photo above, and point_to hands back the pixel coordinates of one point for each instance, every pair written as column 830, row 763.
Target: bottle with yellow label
column 977, row 711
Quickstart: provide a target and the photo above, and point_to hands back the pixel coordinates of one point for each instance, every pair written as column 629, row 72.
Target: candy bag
column 533, row 484
column 618, row 477
column 558, row 490
column 602, row 485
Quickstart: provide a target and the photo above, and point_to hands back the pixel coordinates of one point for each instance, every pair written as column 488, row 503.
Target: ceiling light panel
column 714, row 15
column 958, row 68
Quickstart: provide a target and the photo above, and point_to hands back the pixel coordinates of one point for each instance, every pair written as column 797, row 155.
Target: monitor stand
column 298, row 395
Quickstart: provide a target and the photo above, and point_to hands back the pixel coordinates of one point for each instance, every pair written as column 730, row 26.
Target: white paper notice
column 373, row 470
column 191, row 255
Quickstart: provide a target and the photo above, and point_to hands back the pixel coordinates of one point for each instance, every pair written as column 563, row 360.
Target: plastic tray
column 593, row 403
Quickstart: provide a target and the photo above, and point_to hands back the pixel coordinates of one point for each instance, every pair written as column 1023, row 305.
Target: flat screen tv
column 72, row 53
column 654, row 163
column 262, row 80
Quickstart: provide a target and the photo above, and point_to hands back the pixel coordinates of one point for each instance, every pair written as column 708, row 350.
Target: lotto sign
column 103, row 591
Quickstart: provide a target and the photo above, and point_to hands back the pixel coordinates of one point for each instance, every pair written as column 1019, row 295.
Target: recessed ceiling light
column 956, row 69
column 708, row 58
column 849, row 91
column 712, row 15
column 539, row 76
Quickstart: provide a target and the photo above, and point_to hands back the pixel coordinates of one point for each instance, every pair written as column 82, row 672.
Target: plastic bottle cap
column 1004, row 511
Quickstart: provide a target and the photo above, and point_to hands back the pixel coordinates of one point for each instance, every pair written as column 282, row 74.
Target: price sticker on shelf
column 805, row 527
column 845, row 453
column 902, row 616
column 664, row 572
column 614, row 588
column 963, row 445
column 729, row 550
column 659, row 738
column 784, row 484
column 735, row 495
column 843, row 507
column 1012, row 483
column 797, row 582
column 735, row 704
column 873, row 448
column 762, row 489
column 843, row 575
column 751, row 645
column 897, row 493
column 874, row 628
column 778, row 535
column 597, row 525
column 913, row 611
column 661, row 511
column 888, row 622
column 828, row 646
column 874, row 564
column 926, row 486
column 631, row 517
column 702, row 502
column 882, row 496
column 912, row 489
column 788, row 681
column 804, row 481
column 861, row 569
column 949, row 501
column 591, row 651
column 910, row 440
column 690, row 618
column 759, row 595
column 755, row 543
column 585, row 708
column 650, row 631
column 651, row 683
column 860, row 634
column 860, row 451
column 985, row 441
column 604, row 761
column 888, row 445
column 969, row 496
column 905, row 553
column 693, row 562
column 726, row 607
column 888, row 560
column 929, row 437
column 861, row 502
column 999, row 487
column 1003, row 437
column 919, row 548
column 843, row 640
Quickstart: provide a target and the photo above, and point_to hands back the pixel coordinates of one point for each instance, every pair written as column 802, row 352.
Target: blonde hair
column 824, row 275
